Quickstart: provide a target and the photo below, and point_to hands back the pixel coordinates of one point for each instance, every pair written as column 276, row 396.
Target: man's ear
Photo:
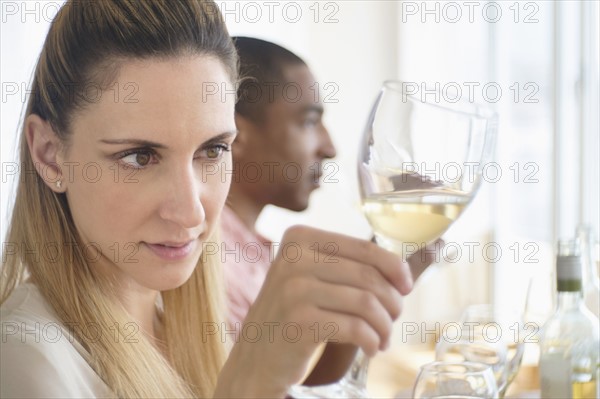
column 45, row 149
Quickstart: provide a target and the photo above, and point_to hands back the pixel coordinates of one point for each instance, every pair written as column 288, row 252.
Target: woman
column 108, row 287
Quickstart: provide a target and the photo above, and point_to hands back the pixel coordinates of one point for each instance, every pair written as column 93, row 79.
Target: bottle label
column 555, row 375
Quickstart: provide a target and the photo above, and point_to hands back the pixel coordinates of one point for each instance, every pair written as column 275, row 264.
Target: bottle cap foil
column 568, row 272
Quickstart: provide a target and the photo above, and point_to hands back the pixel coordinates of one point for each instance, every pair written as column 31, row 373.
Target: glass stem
column 357, row 373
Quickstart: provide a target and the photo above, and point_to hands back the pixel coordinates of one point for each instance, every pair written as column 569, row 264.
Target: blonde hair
column 86, row 44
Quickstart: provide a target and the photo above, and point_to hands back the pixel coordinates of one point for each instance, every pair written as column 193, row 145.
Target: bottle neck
column 569, row 300
column 585, row 237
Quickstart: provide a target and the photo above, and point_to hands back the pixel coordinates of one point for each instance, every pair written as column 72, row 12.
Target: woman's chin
column 169, row 279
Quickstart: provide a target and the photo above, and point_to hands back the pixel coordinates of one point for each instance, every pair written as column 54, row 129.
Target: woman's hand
column 321, row 287
column 337, row 358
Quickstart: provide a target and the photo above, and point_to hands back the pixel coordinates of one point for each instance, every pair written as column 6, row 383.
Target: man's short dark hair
column 261, row 70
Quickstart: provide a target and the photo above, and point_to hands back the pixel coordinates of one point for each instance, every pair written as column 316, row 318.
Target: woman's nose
column 182, row 198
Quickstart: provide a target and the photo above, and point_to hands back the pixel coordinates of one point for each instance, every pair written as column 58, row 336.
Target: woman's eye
column 137, row 160
column 216, row 152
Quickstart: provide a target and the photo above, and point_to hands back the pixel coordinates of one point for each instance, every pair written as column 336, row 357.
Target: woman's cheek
column 215, row 189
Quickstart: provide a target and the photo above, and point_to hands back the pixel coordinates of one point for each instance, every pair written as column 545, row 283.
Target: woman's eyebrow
column 152, row 144
column 220, row 137
column 138, row 142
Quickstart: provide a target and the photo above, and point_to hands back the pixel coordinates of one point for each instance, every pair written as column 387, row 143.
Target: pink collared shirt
column 246, row 258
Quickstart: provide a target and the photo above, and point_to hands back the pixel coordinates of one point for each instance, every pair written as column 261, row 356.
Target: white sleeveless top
column 39, row 356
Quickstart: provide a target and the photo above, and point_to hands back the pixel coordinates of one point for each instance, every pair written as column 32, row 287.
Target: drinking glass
column 503, row 324
column 455, row 380
column 420, row 164
column 469, row 346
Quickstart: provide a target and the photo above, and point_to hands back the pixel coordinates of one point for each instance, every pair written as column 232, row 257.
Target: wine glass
column 455, row 380
column 420, row 164
column 470, row 346
column 503, row 324
column 540, row 301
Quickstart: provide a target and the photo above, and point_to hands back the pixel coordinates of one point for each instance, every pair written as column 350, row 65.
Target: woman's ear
column 45, row 149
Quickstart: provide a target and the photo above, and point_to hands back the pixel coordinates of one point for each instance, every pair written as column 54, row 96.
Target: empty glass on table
column 439, row 380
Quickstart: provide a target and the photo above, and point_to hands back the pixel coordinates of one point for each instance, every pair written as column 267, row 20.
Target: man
column 277, row 159
column 278, row 152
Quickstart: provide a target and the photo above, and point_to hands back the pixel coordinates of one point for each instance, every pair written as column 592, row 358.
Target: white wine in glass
column 417, row 217
column 419, row 166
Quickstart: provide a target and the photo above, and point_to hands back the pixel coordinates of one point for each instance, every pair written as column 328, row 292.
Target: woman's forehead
column 191, row 94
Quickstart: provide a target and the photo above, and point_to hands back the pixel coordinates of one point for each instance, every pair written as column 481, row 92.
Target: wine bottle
column 569, row 347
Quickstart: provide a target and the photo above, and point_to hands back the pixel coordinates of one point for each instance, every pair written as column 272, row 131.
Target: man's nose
column 326, row 149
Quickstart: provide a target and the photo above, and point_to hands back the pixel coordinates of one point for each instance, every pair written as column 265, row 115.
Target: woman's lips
column 172, row 251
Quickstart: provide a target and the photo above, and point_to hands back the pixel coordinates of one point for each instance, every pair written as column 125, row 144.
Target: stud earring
column 58, row 183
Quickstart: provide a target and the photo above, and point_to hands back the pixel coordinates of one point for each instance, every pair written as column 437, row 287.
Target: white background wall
column 23, row 28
